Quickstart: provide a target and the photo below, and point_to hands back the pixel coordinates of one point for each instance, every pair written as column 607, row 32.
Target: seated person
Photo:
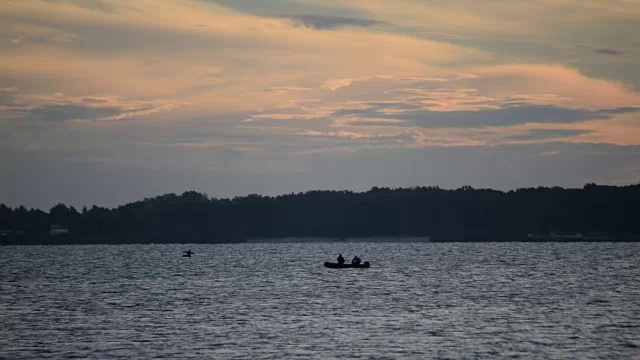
column 340, row 259
column 356, row 260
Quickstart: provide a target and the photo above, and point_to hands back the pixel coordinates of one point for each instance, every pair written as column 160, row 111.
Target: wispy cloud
column 335, row 84
column 285, row 89
column 464, row 110
column 600, row 50
column 550, row 153
column 609, row 51
column 326, row 22
column 548, row 134
column 58, row 107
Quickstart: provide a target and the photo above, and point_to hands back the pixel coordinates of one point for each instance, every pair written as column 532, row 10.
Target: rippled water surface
column 418, row 300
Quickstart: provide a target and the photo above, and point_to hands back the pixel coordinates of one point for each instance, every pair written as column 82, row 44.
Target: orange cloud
column 197, row 58
column 572, row 87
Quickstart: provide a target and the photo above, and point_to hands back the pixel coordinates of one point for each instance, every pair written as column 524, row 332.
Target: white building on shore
column 57, row 230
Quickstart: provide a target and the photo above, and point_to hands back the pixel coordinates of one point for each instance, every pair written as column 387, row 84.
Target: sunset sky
column 107, row 101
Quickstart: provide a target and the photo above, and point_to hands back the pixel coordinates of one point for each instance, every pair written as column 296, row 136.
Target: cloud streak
column 600, row 50
column 325, row 22
column 548, row 134
column 58, row 107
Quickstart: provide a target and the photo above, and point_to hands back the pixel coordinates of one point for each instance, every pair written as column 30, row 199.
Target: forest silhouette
column 464, row 214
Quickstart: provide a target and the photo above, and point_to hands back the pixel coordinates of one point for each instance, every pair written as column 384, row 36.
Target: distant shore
column 594, row 213
column 68, row 240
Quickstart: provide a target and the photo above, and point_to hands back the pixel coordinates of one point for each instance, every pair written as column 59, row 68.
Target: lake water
column 277, row 300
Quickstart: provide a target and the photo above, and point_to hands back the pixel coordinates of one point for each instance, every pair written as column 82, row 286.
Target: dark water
column 576, row 300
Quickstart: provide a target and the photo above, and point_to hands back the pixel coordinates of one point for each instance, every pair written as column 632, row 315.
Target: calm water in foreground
column 419, row 300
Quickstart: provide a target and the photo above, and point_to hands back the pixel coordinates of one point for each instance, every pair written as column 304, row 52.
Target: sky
column 106, row 101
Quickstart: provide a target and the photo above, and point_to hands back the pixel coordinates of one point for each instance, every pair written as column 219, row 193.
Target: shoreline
column 310, row 239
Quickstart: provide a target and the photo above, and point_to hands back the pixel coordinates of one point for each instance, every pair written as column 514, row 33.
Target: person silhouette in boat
column 356, row 260
column 340, row 259
column 188, row 253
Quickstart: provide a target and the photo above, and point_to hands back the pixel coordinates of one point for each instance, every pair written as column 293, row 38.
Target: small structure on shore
column 57, row 230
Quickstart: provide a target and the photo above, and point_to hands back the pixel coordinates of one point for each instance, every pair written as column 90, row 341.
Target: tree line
column 464, row 214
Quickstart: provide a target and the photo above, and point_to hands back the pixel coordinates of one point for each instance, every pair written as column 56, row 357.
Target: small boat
column 345, row 266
